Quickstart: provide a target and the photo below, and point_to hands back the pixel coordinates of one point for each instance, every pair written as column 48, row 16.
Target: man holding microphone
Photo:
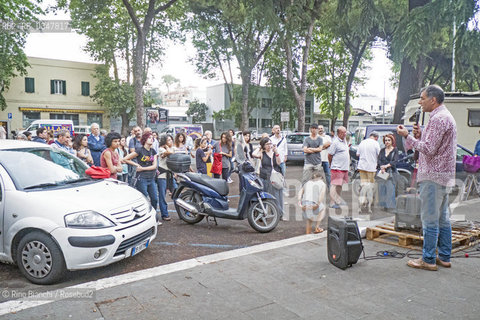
column 436, row 175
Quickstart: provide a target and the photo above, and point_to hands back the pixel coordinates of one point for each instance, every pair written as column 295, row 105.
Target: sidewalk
column 288, row 279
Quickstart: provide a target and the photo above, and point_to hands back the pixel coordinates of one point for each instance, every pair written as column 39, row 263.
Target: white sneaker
column 229, row 180
column 159, row 223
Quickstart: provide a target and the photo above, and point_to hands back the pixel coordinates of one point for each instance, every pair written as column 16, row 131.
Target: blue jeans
column 162, row 201
column 149, row 188
column 435, row 221
column 326, row 169
column 283, row 168
column 386, row 193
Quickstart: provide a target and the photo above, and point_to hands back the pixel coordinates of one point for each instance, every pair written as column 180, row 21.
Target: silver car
column 295, row 146
column 53, row 217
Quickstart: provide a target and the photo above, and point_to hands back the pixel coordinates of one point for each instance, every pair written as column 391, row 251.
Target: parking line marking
column 14, row 306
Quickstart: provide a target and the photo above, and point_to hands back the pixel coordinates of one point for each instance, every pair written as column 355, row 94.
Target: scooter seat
column 219, row 185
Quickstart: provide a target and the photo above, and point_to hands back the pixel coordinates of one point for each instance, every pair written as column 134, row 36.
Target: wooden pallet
column 386, row 233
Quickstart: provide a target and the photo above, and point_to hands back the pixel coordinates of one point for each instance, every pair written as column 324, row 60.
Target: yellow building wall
column 43, row 70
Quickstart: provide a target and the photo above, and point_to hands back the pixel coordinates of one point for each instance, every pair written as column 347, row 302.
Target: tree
column 415, row 37
column 362, row 22
column 143, row 20
column 328, row 76
column 298, row 20
column 116, row 96
column 16, row 17
column 168, row 80
column 245, row 26
column 198, row 111
column 113, row 40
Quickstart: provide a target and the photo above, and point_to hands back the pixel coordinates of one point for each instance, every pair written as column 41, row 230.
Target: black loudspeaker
column 344, row 242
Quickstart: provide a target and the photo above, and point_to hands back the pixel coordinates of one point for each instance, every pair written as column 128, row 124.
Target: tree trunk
column 357, row 57
column 411, row 79
column 245, row 86
column 125, row 124
column 138, row 80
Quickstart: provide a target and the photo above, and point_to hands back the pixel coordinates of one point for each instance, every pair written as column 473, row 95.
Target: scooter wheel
column 194, row 199
column 263, row 220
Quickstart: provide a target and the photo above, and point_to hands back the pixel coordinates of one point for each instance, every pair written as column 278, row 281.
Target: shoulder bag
column 276, row 178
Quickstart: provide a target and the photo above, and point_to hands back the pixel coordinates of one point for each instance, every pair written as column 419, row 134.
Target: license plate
column 297, row 152
column 139, row 248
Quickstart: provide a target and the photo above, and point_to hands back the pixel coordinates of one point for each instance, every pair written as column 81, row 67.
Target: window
column 58, row 87
column 65, row 116
column 308, row 120
column 85, row 88
column 474, row 117
column 266, row 103
column 252, row 123
column 95, row 118
column 29, row 117
column 29, row 85
column 266, row 123
column 308, row 108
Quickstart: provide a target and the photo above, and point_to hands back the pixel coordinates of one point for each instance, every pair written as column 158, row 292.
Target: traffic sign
column 284, row 116
column 9, row 116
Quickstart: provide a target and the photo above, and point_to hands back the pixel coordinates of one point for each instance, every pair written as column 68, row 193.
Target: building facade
column 260, row 117
column 53, row 89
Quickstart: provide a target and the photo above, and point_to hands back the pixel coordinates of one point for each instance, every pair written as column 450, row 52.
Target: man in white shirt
column 281, row 144
column 327, row 141
column 368, row 151
column 339, row 158
column 3, row 132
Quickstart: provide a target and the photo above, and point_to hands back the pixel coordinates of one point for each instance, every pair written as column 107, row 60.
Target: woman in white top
column 311, row 199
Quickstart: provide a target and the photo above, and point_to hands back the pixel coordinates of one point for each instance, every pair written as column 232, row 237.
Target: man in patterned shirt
column 436, row 174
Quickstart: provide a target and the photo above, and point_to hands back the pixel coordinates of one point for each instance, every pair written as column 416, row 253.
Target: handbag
column 98, row 172
column 276, row 178
column 217, row 164
column 385, row 175
column 471, row 164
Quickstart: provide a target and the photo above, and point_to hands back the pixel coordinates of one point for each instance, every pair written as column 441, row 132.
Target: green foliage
column 116, row 96
column 282, row 97
column 168, row 80
column 224, row 29
column 16, row 17
column 198, row 111
column 331, row 61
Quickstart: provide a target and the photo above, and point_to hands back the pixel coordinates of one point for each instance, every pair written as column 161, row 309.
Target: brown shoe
column 420, row 264
column 166, row 218
column 443, row 263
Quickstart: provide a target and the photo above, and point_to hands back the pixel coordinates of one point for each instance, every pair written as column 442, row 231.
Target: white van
column 54, row 125
column 465, row 109
column 193, row 130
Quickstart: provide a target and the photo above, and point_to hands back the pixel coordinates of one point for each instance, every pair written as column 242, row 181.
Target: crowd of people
column 141, row 160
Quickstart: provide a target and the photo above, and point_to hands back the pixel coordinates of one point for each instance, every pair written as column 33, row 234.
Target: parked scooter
column 199, row 195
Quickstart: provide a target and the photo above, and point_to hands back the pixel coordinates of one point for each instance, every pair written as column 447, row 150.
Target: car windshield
column 42, row 167
column 296, row 138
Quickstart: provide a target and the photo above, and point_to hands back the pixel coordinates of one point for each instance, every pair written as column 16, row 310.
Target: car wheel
column 40, row 259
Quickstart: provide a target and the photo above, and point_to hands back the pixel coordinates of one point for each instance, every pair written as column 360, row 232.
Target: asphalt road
column 177, row 240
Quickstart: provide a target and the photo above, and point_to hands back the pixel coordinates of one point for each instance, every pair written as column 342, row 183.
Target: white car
column 53, row 217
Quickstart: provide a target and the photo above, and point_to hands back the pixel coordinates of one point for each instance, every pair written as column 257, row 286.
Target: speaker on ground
column 344, row 242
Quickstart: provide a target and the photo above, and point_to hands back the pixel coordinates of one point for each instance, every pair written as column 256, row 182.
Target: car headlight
column 87, row 220
column 255, row 184
column 149, row 204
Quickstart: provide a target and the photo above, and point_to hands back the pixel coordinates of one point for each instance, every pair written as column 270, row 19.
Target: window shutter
column 64, row 87
column 85, row 88
column 29, row 85
column 52, row 86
